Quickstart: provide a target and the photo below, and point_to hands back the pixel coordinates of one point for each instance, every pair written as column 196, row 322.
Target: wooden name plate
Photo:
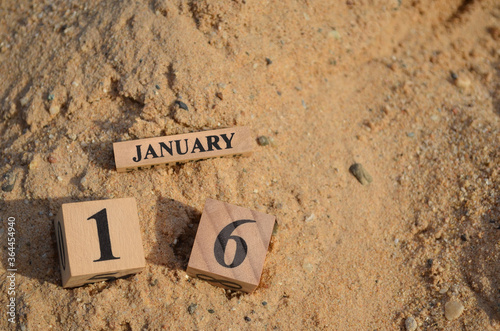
column 98, row 240
column 147, row 153
column 230, row 246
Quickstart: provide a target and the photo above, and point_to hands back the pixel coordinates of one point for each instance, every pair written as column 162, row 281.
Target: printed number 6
column 221, row 244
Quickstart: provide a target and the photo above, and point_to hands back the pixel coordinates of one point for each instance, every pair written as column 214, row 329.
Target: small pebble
column 410, row 134
column 276, row 228
column 33, row 164
column 360, row 173
column 68, row 30
column 24, row 101
column 50, row 97
column 268, row 61
column 10, row 183
column 211, row 311
column 247, row 319
column 219, row 95
column 309, row 218
column 181, row 105
column 59, row 178
column 192, row 308
column 264, row 303
column 157, row 86
column 462, row 82
column 52, row 159
column 304, row 104
column 444, row 289
column 410, row 324
column 83, row 180
column 263, row 141
column 453, row 310
column 54, row 109
column 453, row 75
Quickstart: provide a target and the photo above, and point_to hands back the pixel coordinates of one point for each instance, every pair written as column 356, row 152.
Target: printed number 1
column 101, row 219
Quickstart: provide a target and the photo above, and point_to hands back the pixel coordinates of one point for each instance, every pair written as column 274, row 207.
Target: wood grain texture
column 150, row 152
column 80, row 244
column 255, row 228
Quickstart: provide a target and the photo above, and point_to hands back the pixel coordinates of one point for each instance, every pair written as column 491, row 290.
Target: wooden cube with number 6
column 98, row 240
column 230, row 246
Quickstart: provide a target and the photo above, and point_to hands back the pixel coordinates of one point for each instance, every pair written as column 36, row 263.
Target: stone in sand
column 10, row 182
column 54, row 109
column 360, row 173
column 462, row 82
column 263, row 141
column 192, row 308
column 411, row 324
column 453, row 309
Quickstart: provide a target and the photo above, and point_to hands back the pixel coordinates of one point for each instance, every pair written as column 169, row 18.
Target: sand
column 408, row 89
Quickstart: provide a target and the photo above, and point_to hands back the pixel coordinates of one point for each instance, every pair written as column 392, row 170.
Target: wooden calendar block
column 98, row 240
column 230, row 246
column 150, row 152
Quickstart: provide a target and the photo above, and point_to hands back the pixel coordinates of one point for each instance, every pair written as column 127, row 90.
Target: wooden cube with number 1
column 230, row 246
column 98, row 240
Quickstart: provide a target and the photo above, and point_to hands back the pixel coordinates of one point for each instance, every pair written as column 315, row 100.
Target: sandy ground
column 409, row 89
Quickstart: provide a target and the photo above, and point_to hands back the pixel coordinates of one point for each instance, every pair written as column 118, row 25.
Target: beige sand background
column 409, row 89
